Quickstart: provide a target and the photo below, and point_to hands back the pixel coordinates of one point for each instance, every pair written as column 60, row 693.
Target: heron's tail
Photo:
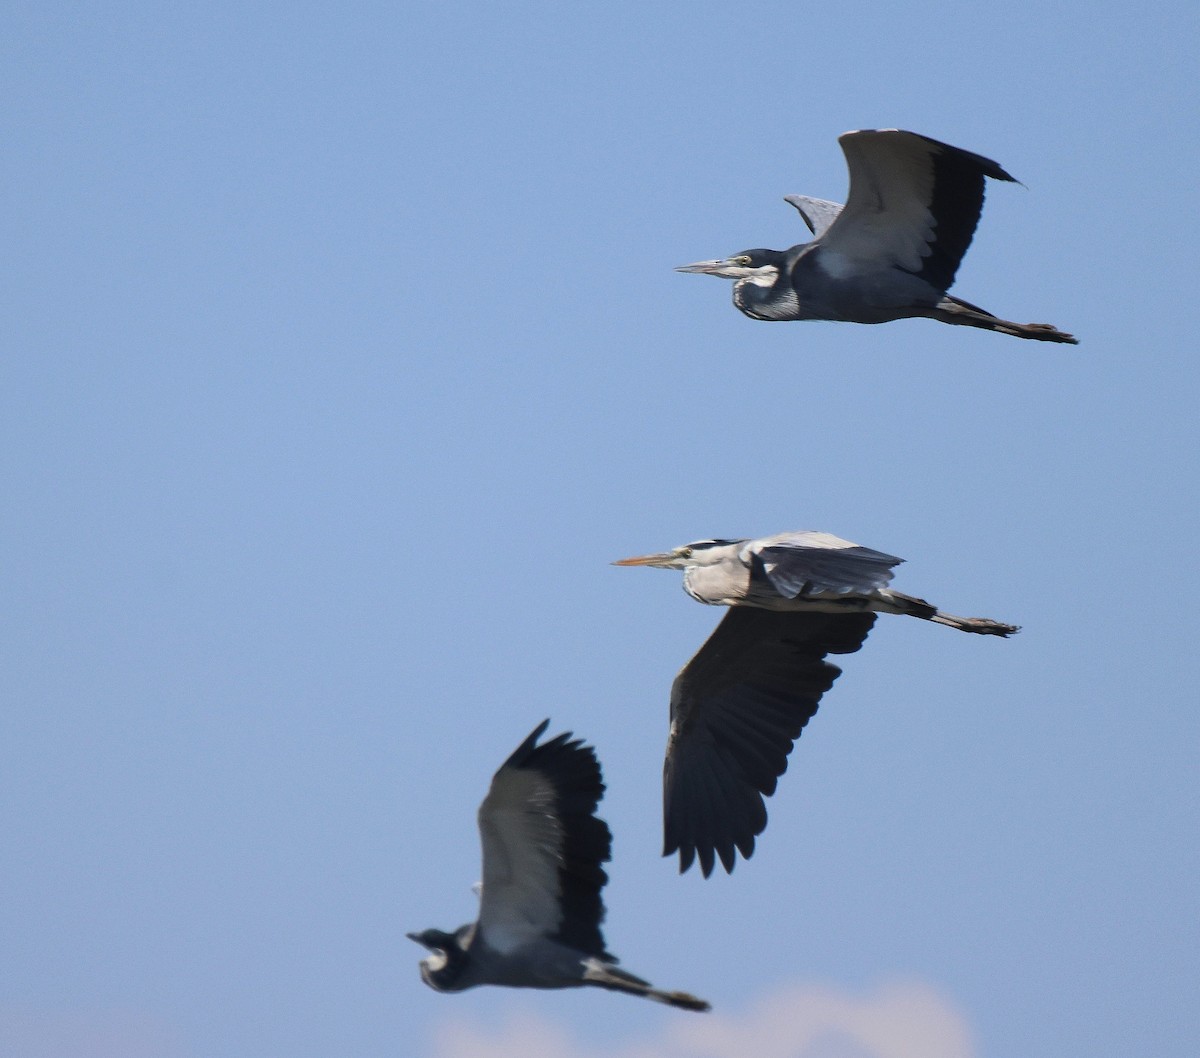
column 606, row 975
column 954, row 310
column 913, row 607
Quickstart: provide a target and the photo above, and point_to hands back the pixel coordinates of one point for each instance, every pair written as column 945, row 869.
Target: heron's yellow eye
column 685, row 552
column 742, row 260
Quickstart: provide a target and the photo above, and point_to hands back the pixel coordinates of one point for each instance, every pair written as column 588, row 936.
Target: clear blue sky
column 342, row 352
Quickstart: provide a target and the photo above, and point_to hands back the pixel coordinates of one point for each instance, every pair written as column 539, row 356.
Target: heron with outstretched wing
column 890, row 253
column 739, row 705
column 540, row 908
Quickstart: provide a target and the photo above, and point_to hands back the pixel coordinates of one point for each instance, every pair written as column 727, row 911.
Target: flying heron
column 739, row 705
column 890, row 253
column 540, row 908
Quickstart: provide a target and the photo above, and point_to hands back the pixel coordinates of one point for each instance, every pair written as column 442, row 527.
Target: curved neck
column 720, row 585
column 768, row 295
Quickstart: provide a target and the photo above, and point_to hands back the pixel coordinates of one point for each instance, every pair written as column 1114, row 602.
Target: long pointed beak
column 413, row 936
column 706, row 268
column 645, row 560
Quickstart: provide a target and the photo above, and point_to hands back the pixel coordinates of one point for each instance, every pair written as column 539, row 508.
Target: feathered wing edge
column 573, row 770
column 737, row 709
column 916, row 177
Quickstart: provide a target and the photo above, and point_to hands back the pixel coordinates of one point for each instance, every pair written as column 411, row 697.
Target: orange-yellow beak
column 646, row 560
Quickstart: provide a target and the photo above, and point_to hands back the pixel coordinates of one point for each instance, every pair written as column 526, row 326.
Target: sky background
column 342, row 352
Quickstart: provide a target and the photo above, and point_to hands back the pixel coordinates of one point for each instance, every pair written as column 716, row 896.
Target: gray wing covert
column 808, row 563
column 818, row 213
column 737, row 708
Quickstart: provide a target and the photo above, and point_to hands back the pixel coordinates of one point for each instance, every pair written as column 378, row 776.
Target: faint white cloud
column 29, row 1032
column 897, row 1020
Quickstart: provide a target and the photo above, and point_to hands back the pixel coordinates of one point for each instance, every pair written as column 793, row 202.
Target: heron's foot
column 1047, row 332
column 987, row 627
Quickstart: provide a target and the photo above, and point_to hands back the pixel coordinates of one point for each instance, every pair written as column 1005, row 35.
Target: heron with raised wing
column 540, row 907
column 739, row 705
column 890, row 253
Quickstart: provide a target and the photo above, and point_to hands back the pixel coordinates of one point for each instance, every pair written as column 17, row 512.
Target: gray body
column 812, row 572
column 540, row 907
column 538, row 962
column 739, row 705
column 890, row 253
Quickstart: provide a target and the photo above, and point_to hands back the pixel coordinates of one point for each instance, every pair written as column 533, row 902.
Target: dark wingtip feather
column 986, row 166
column 521, row 754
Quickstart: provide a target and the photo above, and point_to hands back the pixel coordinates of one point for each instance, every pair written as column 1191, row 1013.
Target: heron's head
column 445, row 963
column 700, row 553
column 761, row 267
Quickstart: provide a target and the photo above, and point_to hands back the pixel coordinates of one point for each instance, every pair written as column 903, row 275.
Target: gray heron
column 890, row 253
column 739, row 705
column 540, row 906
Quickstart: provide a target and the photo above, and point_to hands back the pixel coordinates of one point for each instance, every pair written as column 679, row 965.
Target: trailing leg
column 953, row 310
column 913, row 607
column 606, row 975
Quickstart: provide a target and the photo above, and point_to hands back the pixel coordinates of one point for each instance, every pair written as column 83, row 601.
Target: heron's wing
column 913, row 204
column 543, row 847
column 808, row 563
column 818, row 213
column 736, row 709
